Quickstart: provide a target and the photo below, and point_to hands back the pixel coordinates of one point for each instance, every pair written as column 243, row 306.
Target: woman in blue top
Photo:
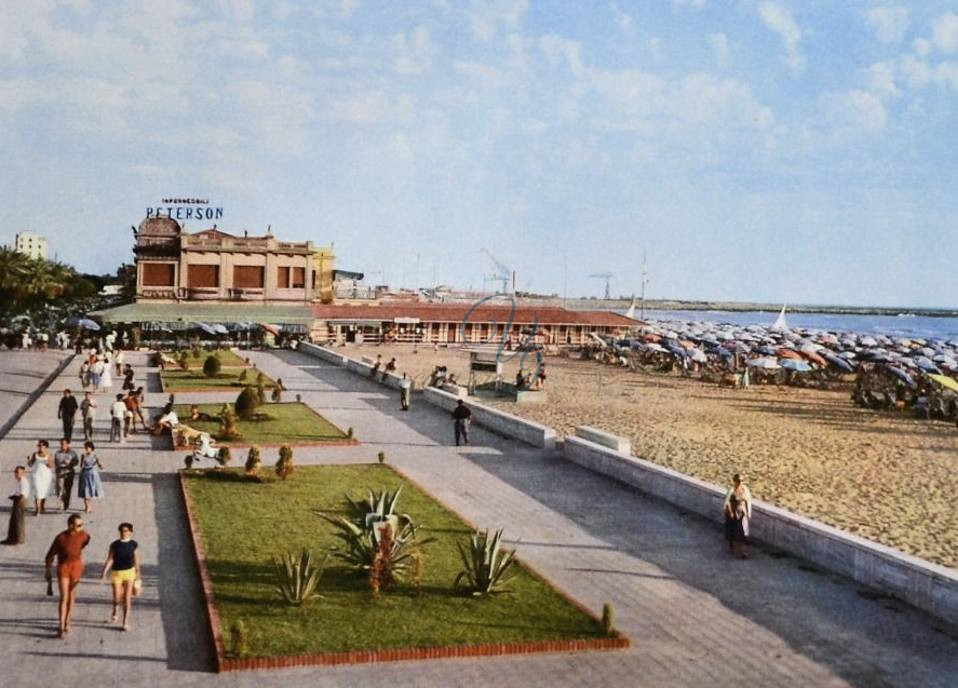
column 125, row 562
column 91, row 487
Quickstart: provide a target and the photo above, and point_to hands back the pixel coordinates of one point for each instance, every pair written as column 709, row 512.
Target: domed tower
column 157, row 251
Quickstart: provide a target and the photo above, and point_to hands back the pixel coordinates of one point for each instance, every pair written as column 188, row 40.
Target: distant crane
column 503, row 273
column 607, row 276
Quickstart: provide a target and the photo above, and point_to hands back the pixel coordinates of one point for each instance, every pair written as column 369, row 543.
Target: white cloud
column 779, row 19
column 921, row 46
column 915, row 71
column 881, row 79
column 562, row 50
column 947, row 73
column 944, row 32
column 694, row 4
column 415, row 53
column 623, row 19
column 889, row 23
column 720, row 46
column 486, row 16
column 855, row 110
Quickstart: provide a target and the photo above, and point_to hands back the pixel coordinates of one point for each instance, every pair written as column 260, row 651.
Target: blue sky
column 768, row 150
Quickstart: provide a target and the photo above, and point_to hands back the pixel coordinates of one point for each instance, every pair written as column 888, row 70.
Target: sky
column 768, row 150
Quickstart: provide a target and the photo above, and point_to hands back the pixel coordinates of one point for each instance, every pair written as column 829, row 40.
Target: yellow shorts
column 123, row 576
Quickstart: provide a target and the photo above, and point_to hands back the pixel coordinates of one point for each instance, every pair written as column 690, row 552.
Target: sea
column 906, row 325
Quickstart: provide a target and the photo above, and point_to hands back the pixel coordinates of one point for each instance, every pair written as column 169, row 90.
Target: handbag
column 137, row 587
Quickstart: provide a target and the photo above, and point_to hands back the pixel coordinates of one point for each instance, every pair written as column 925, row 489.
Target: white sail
column 780, row 325
column 631, row 312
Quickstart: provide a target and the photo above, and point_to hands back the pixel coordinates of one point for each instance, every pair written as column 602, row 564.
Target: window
column 248, row 276
column 282, row 277
column 203, row 275
column 299, row 278
column 159, row 274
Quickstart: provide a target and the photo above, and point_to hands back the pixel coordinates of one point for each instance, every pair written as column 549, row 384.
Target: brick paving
column 695, row 617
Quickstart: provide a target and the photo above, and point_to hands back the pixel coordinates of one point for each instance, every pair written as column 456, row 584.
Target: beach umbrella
column 907, row 362
column 945, row 381
column 88, row 324
column 926, row 364
column 926, row 351
column 838, row 362
column 208, row 329
column 768, row 350
column 676, row 349
column 789, row 353
column 847, row 354
column 814, row 357
column 902, row 375
column 652, row 346
column 765, row 363
column 792, row 364
column 698, row 356
column 220, row 328
column 723, row 352
column 868, row 341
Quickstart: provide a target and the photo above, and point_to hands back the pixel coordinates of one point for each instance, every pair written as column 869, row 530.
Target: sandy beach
column 884, row 476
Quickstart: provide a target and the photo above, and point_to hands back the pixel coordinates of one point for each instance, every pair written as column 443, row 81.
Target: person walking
column 124, row 560
column 106, row 377
column 67, row 548
column 117, row 416
column 128, row 385
column 16, row 530
column 84, row 375
column 88, row 413
column 41, row 462
column 65, row 463
column 96, row 373
column 67, row 412
column 132, row 413
column 462, row 416
column 738, row 511
column 90, row 487
column 118, row 361
column 405, row 392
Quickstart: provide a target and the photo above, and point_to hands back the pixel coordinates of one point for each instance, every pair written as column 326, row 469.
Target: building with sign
column 215, row 266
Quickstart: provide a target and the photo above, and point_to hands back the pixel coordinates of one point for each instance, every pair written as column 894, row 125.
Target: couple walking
column 122, row 559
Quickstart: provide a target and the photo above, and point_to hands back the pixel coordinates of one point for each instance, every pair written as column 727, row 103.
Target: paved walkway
column 695, row 617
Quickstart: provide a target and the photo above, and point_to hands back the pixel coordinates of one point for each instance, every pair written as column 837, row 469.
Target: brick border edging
column 224, row 663
column 34, row 395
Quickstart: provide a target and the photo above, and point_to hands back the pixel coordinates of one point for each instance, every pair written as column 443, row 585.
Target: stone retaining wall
column 924, row 585
column 498, row 421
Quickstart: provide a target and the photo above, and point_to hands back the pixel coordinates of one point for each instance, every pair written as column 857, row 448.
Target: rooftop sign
column 185, row 209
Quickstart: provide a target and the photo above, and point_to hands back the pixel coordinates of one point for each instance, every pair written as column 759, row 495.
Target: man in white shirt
column 405, row 391
column 117, row 413
column 96, row 373
column 16, row 533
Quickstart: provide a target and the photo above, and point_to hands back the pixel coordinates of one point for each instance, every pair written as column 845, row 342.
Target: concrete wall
column 606, row 439
column 922, row 584
column 323, row 353
column 492, row 419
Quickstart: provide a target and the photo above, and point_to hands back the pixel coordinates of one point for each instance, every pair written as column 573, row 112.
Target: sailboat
column 631, row 312
column 780, row 325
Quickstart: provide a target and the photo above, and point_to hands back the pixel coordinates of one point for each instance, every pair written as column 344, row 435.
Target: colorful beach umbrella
column 945, row 381
column 902, row 375
column 795, row 365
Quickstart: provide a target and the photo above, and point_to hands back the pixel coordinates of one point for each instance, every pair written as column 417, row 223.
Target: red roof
column 456, row 312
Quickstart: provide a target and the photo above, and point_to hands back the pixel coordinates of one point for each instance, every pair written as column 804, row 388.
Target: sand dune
column 883, row 476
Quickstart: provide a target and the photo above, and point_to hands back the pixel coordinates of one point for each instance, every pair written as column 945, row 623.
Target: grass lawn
column 174, row 380
column 228, row 359
column 288, row 423
column 243, row 525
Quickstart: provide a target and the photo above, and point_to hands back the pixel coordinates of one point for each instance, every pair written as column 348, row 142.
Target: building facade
column 215, row 266
column 32, row 245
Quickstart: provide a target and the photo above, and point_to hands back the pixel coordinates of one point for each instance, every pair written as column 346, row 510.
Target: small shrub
column 136, row 338
column 260, row 379
column 299, row 398
column 245, row 403
column 228, row 429
column 485, row 569
column 253, row 461
column 381, row 570
column 284, row 467
column 242, row 375
column 260, row 394
column 297, row 579
column 362, row 543
column 223, row 456
column 608, row 618
column 195, row 350
column 188, row 461
column 277, row 395
column 381, row 456
column 211, row 366
column 184, row 361
column 349, row 432
column 239, row 639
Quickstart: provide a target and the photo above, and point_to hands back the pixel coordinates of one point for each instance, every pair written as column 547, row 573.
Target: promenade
column 695, row 617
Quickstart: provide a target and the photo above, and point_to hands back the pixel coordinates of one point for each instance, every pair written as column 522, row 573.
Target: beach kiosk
column 484, row 364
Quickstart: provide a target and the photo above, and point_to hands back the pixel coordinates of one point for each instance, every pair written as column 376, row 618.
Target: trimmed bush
column 224, row 456
column 608, row 619
column 253, row 461
column 184, row 361
column 239, row 640
column 381, row 456
column 242, row 375
column 284, row 467
column 246, row 402
column 211, row 366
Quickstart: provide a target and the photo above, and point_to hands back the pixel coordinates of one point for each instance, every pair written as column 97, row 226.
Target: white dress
column 106, row 380
column 42, row 486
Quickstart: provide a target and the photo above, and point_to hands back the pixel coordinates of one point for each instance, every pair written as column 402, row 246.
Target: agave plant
column 362, row 542
column 379, row 506
column 296, row 579
column 485, row 564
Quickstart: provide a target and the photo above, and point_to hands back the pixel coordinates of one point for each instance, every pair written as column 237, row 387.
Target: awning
column 357, row 323
column 406, row 321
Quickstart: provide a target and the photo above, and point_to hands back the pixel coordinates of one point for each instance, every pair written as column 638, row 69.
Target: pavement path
column 695, row 616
